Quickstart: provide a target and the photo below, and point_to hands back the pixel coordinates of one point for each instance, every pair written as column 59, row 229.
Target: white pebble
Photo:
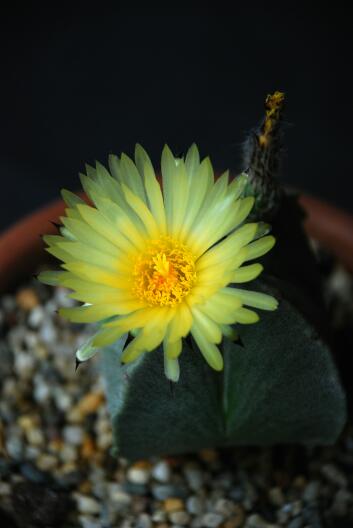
column 5, row 488
column 36, row 316
column 48, row 332
column 276, row 496
column 181, row 518
column 334, row 475
column 159, row 516
column 47, row 462
column 138, row 475
column 35, row 436
column 161, row 471
column 119, row 496
column 87, row 504
column 24, row 364
column 224, row 507
column 62, row 298
column 195, row 505
column 341, row 503
column 32, row 453
column 63, row 400
column 104, row 440
column 102, row 425
column 89, row 522
column 144, row 521
column 14, row 444
column 31, row 340
column 194, row 477
column 68, row 453
column 16, row 337
column 212, row 520
column 256, row 521
column 41, row 390
column 311, row 491
column 50, row 307
column 73, row 434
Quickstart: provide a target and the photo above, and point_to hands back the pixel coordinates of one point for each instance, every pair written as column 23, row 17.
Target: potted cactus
column 173, row 273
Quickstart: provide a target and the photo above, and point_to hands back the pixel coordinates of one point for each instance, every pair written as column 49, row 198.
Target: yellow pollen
column 165, row 273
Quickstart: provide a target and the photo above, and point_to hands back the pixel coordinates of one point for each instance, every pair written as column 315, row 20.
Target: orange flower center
column 165, row 273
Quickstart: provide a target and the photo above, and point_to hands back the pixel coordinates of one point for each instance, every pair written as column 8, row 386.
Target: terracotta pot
column 21, row 247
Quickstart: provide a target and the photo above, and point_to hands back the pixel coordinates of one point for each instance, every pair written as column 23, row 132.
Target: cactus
column 164, row 272
column 261, row 158
column 279, row 385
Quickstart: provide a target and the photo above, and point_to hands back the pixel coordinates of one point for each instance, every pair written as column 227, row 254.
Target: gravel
column 55, row 463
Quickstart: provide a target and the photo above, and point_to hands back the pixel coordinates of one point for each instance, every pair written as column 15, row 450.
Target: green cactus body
column 261, row 153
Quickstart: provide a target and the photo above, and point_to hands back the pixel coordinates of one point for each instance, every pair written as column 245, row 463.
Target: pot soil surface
column 55, row 436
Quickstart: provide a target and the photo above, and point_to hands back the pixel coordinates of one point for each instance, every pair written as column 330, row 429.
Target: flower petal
column 181, row 323
column 171, row 368
column 172, row 350
column 255, row 299
column 209, row 351
column 260, row 247
column 209, row 329
column 228, row 248
column 247, row 273
column 245, row 316
column 142, row 211
column 155, row 197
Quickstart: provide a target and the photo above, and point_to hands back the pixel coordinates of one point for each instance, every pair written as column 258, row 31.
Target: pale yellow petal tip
column 274, row 304
column 171, row 369
column 256, row 318
column 272, row 241
column 167, row 152
column 218, row 364
column 86, row 351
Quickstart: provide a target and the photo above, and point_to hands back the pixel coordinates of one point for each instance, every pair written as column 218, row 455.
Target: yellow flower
column 157, row 262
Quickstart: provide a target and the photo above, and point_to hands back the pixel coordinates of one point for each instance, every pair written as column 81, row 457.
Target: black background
column 79, row 84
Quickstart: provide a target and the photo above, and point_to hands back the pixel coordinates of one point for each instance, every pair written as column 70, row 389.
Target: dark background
column 79, row 84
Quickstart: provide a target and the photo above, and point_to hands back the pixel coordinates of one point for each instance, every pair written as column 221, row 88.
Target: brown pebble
column 85, row 487
column 208, row 455
column 88, row 447
column 237, row 519
column 74, row 416
column 173, row 504
column 175, row 462
column 98, row 458
column 55, row 445
column 46, row 462
column 139, row 505
column 66, row 468
column 162, row 525
column 90, row 403
column 142, row 464
column 27, row 422
column 27, row 299
column 300, row 482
